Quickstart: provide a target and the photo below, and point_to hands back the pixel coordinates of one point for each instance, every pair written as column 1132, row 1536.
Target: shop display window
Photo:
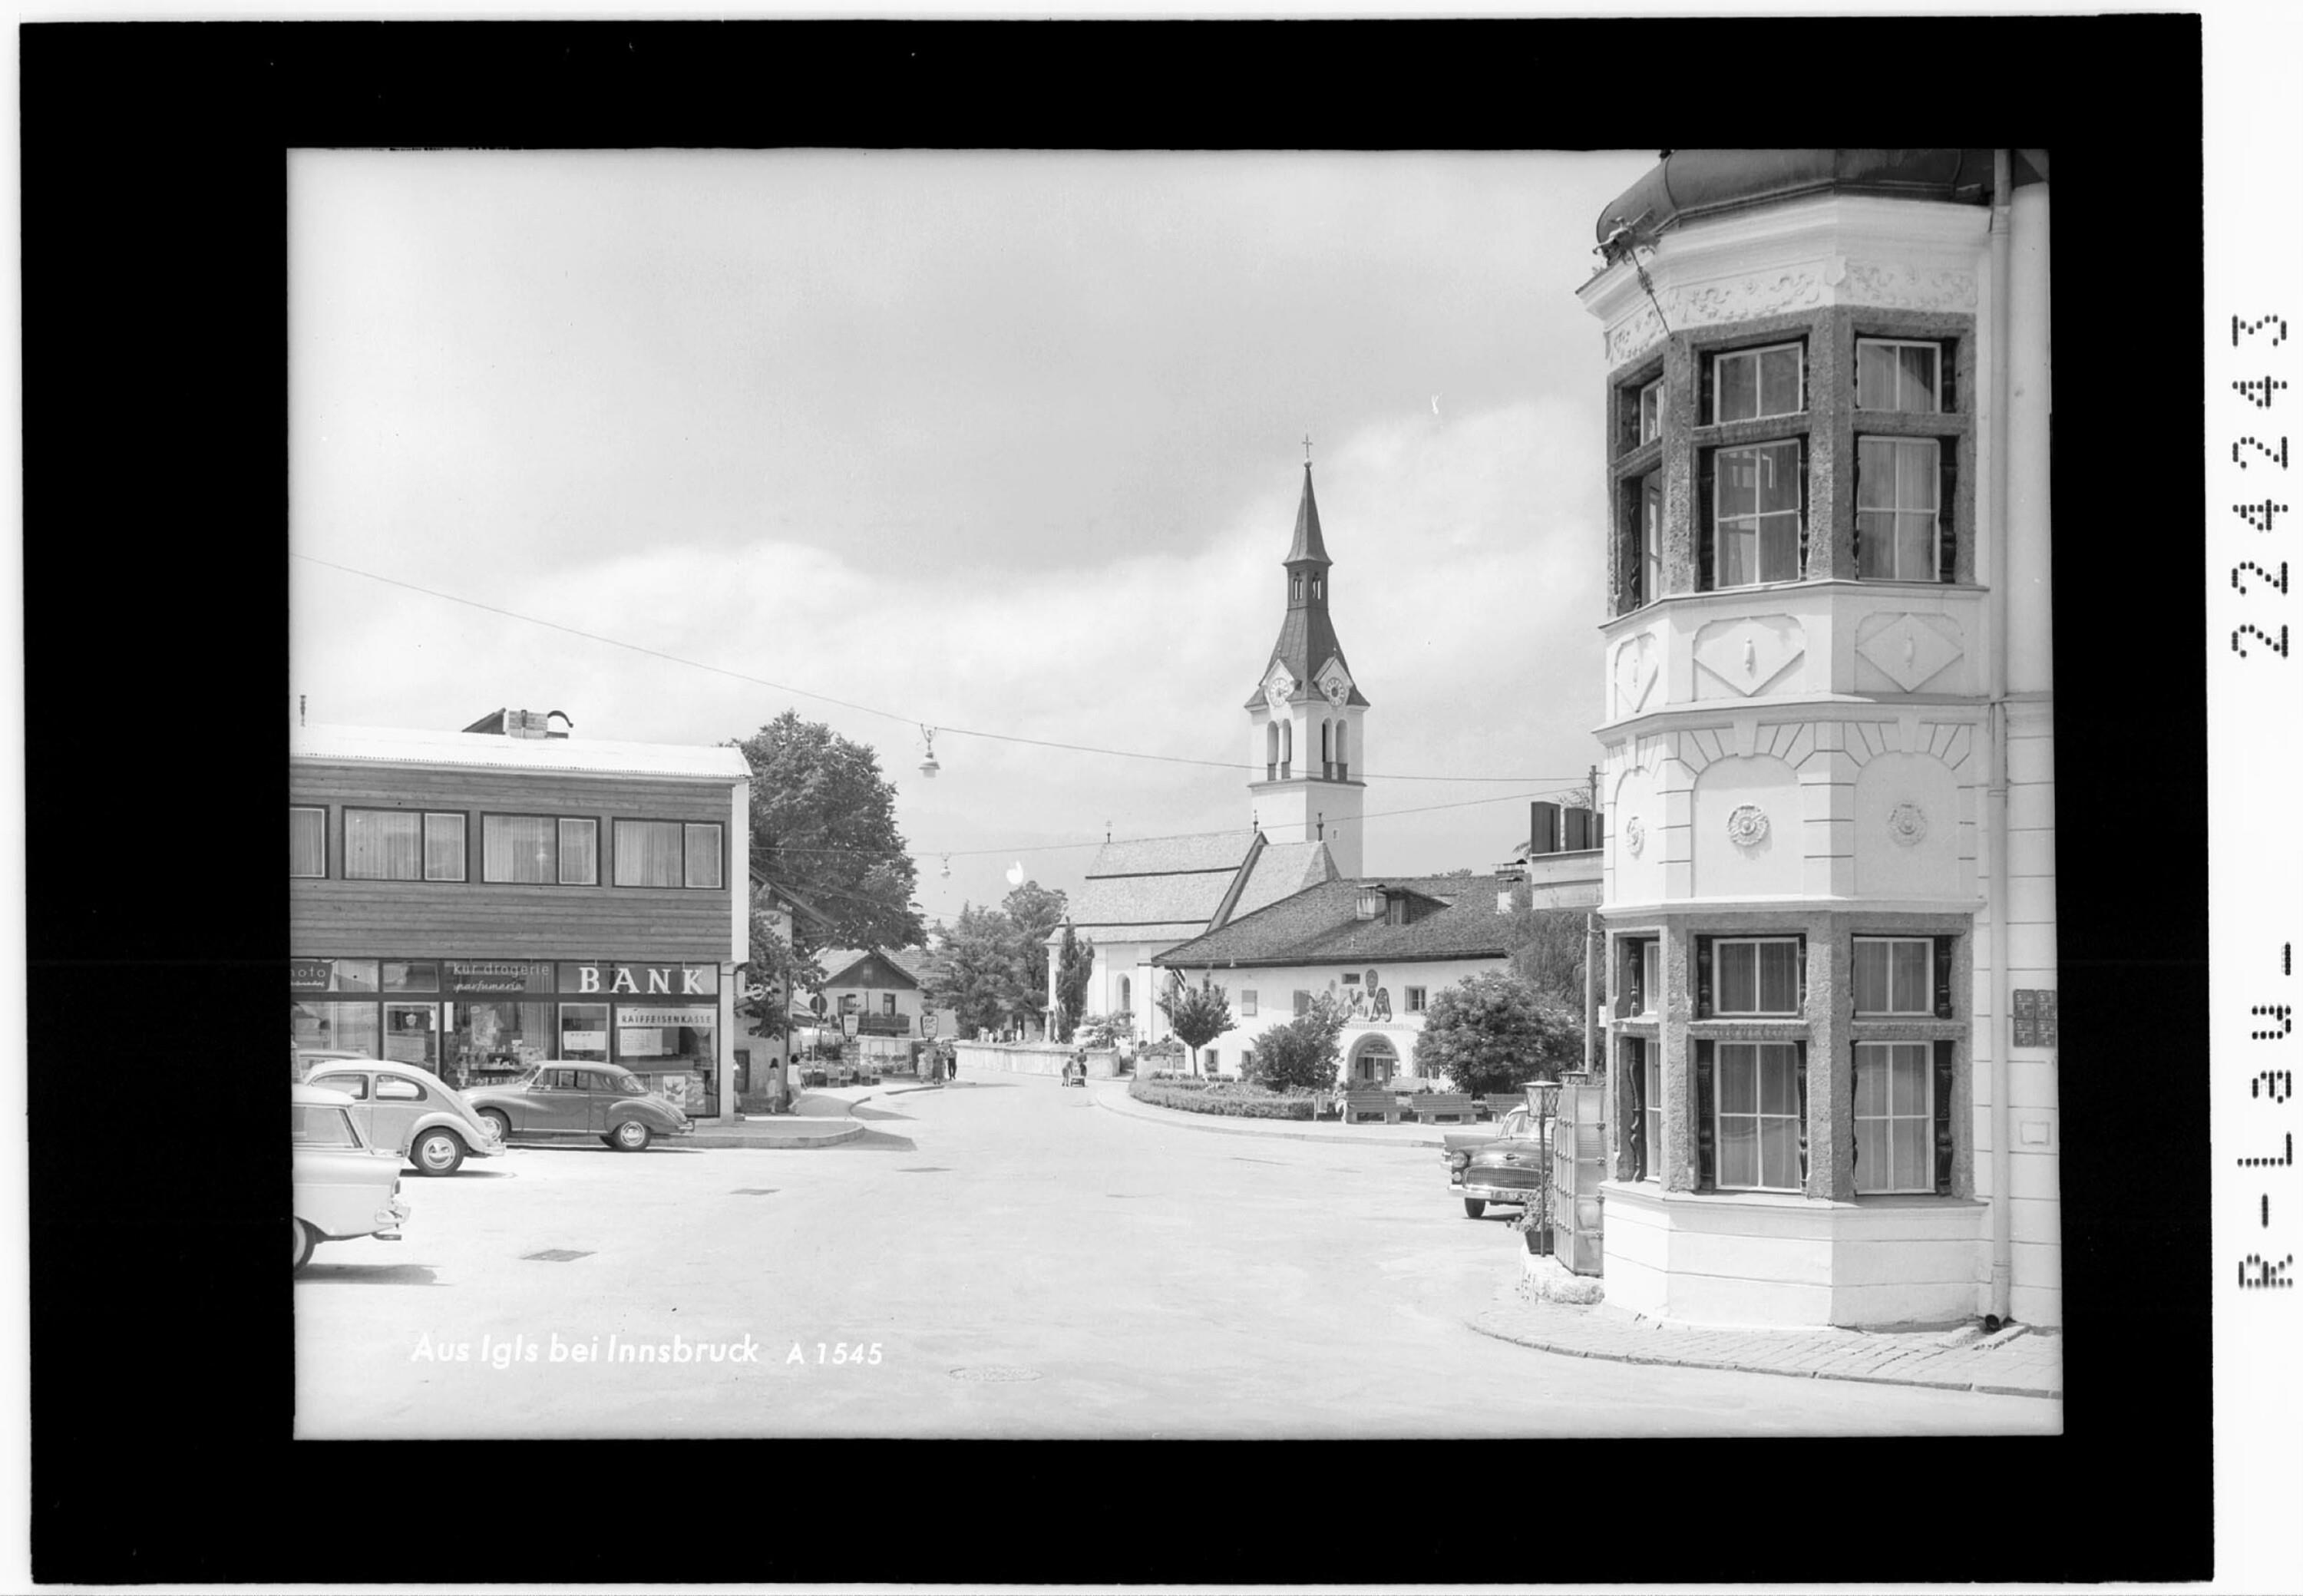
column 338, row 1028
column 411, row 1034
column 495, row 1040
column 584, row 1031
column 356, row 975
column 674, row 1047
column 400, row 976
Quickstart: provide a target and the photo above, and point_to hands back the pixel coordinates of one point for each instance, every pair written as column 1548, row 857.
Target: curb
column 847, row 1132
column 1184, row 1120
column 1478, row 1322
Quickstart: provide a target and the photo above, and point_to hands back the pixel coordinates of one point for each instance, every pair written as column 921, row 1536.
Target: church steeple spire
column 1308, row 546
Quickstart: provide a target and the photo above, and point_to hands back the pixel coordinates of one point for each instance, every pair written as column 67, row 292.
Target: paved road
column 1001, row 1259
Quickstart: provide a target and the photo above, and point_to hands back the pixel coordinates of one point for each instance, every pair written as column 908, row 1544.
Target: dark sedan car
column 562, row 1100
column 1509, row 1166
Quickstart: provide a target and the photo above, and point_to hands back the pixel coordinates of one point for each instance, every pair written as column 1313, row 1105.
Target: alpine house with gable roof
column 1380, row 948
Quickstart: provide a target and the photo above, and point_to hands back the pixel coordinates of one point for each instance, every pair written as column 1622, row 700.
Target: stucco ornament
column 1907, row 823
column 1635, row 835
column 1747, row 827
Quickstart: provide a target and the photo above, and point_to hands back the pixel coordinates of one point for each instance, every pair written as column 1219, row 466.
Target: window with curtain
column 1651, row 1112
column 1758, row 1116
column 1894, row 975
column 1898, row 509
column 308, row 841
column 1753, row 383
column 1894, row 1118
column 579, row 853
column 1896, row 374
column 647, row 853
column 1651, row 411
column 703, row 844
column 1756, row 975
column 1756, row 514
column 519, row 848
column 444, row 848
column 383, row 845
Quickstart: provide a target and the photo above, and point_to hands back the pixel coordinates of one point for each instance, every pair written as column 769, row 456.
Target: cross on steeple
column 1307, row 448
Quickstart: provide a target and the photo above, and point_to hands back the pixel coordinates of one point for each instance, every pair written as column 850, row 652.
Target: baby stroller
column 1076, row 1071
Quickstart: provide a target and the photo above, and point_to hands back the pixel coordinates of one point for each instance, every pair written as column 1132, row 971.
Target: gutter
column 2003, row 1238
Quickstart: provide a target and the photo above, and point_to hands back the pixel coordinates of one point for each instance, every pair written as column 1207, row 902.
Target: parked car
column 1507, row 1165
column 303, row 1061
column 412, row 1111
column 562, row 1099
column 343, row 1186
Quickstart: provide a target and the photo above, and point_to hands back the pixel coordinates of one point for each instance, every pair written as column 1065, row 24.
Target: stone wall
column 1016, row 1058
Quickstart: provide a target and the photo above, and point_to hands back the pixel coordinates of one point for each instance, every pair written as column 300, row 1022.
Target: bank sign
column 640, row 980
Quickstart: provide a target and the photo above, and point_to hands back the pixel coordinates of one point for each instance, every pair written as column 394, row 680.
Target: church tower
column 1307, row 717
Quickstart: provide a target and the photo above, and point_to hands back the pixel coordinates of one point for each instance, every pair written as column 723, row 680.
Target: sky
column 997, row 444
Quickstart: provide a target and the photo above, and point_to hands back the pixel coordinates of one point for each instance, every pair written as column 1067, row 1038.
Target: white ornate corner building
column 1307, row 717
column 1829, row 776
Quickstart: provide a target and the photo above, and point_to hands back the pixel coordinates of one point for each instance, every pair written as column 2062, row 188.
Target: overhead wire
column 941, row 728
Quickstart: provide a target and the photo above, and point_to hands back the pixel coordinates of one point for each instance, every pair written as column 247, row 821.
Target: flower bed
column 1224, row 1097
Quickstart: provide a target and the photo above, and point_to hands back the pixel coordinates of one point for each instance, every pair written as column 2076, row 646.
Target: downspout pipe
column 2003, row 1234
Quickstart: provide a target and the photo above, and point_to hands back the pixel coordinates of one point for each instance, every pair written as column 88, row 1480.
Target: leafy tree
column 778, row 966
column 1198, row 1015
column 1548, row 946
column 823, row 824
column 1034, row 911
column 1303, row 1052
column 1074, row 963
column 1493, row 1032
column 983, row 971
column 1106, row 1030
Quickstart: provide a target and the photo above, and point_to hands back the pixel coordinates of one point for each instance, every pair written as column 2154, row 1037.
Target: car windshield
column 1519, row 1122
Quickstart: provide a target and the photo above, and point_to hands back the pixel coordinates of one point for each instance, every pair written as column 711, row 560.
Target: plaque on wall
column 2035, row 1017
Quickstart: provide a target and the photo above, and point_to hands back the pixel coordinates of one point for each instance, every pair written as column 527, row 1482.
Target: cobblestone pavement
column 2015, row 1362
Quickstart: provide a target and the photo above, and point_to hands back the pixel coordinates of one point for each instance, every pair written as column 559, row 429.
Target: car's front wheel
column 1474, row 1207
column 630, row 1136
column 437, row 1153
column 305, row 1242
column 501, row 1120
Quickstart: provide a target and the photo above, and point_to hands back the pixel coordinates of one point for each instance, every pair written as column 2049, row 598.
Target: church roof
column 1320, row 925
column 1307, row 637
column 1282, row 871
column 1308, row 544
column 1170, row 890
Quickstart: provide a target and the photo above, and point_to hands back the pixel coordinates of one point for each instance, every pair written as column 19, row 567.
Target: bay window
column 1752, row 976
column 1894, row 1118
column 307, row 840
column 1899, row 374
column 1755, row 497
column 1762, row 1116
column 1897, row 975
column 1747, row 384
column 1898, row 505
column 1650, row 421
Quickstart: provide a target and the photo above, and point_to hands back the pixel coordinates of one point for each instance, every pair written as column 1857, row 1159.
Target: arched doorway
column 1373, row 1061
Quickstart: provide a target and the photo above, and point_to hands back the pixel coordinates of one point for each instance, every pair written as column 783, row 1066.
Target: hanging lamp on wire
column 928, row 766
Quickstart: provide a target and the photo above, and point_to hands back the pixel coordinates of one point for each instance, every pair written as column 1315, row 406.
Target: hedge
column 1240, row 1103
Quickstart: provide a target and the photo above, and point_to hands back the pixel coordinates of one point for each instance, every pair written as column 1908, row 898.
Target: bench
column 1431, row 1106
column 1499, row 1103
column 1359, row 1105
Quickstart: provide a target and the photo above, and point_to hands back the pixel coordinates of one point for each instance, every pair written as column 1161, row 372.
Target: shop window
column 1750, row 976
column 583, row 1031
column 308, row 841
column 1896, row 976
column 335, row 1027
column 357, row 975
column 1762, row 1116
column 1754, row 503
column 1894, row 1118
column 579, row 853
column 1903, row 486
column 406, row 975
column 1896, row 374
column 495, row 1039
column 1747, row 385
column 703, row 844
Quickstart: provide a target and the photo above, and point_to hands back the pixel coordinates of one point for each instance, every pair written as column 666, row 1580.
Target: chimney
column 1542, row 828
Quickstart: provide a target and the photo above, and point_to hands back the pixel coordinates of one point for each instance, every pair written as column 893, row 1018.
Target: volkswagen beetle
column 411, row 1111
column 559, row 1100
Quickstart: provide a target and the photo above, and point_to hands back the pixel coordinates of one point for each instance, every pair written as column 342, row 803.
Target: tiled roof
column 1320, row 923
column 839, row 961
column 1124, row 900
column 1282, row 870
column 565, row 756
column 1164, row 855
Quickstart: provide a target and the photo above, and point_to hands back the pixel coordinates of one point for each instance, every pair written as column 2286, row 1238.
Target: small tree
column 1074, row 963
column 1494, row 1033
column 1197, row 1014
column 1102, row 1031
column 1303, row 1052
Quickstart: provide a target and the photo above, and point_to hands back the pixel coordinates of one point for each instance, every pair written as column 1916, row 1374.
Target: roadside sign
column 847, row 1023
column 816, row 1002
